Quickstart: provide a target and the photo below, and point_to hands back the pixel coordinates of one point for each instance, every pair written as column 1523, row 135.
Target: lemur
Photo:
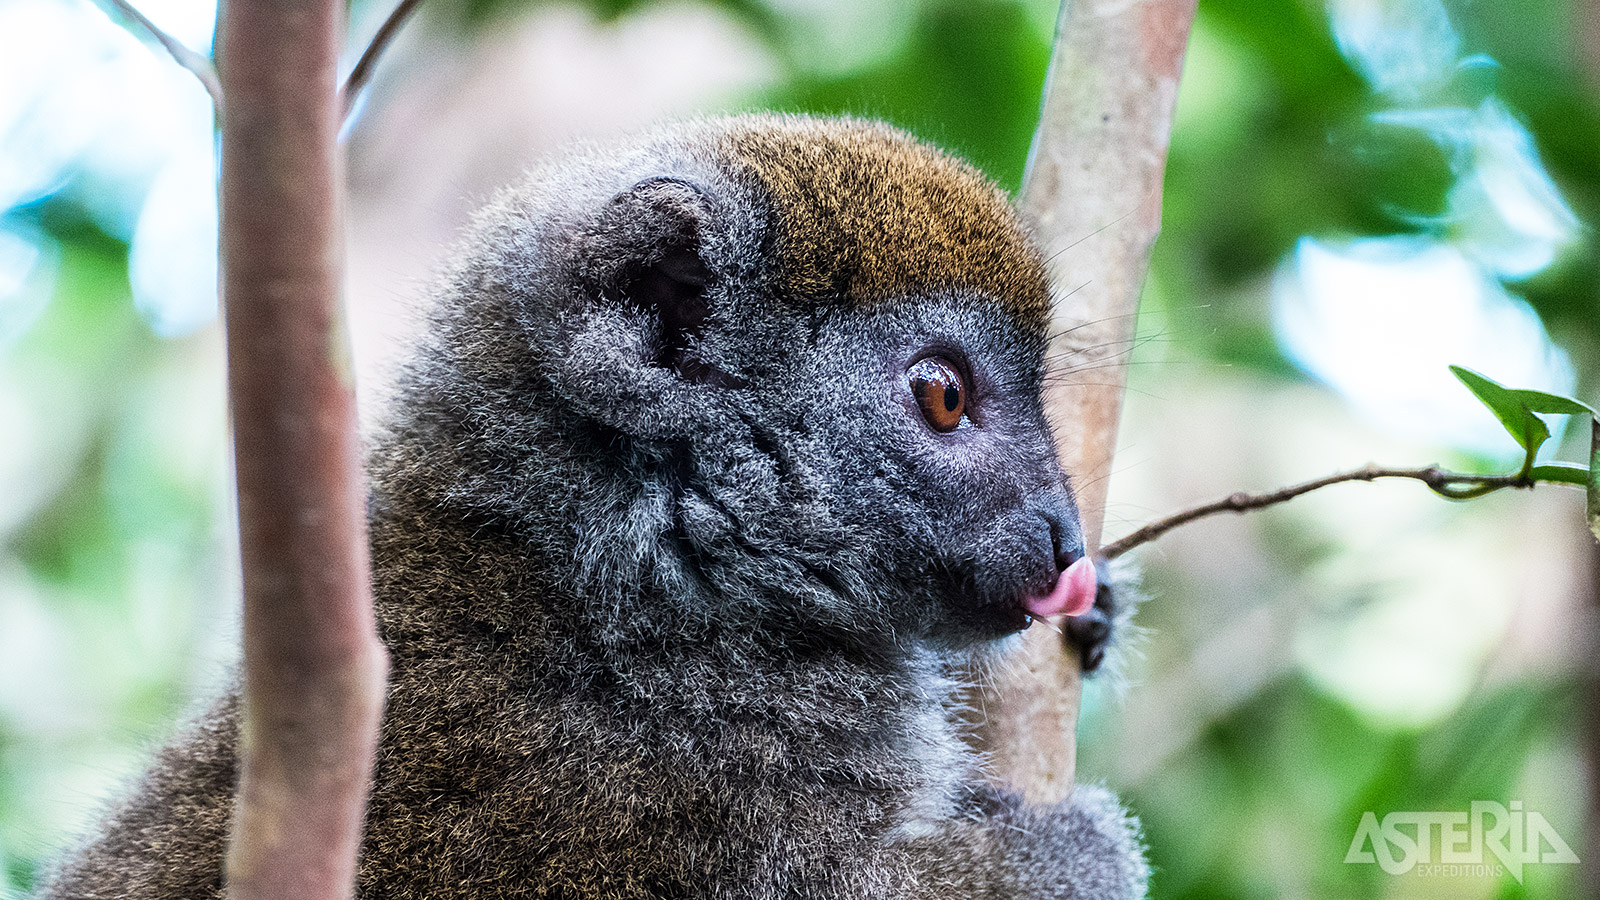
column 720, row 453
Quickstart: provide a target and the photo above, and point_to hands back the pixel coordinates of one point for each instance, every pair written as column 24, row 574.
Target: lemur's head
column 774, row 372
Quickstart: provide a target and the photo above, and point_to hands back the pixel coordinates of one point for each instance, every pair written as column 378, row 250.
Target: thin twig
column 1454, row 485
column 198, row 65
column 362, row 73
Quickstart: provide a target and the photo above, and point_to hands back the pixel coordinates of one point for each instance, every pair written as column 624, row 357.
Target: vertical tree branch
column 368, row 63
column 1093, row 193
column 314, row 670
column 1588, row 880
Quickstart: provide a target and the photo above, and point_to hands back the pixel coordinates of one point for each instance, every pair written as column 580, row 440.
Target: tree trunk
column 1093, row 195
column 313, row 667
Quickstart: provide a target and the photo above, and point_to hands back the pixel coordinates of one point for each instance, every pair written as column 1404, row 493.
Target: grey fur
column 674, row 576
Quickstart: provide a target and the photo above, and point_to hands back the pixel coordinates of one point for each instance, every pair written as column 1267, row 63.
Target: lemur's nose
column 1066, row 537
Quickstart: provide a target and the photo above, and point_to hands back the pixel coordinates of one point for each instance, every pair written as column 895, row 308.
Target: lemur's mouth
column 1071, row 595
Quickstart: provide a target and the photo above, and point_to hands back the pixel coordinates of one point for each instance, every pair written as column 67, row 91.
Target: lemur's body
column 673, row 556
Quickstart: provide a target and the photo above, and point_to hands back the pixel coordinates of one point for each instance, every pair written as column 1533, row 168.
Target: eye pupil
column 940, row 390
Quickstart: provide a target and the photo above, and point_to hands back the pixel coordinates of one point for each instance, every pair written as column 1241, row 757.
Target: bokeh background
column 1360, row 192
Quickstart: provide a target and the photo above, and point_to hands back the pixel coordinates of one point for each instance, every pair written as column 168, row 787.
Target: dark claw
column 1090, row 633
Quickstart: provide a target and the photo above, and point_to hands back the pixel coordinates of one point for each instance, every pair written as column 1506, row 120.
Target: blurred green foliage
column 1274, row 143
column 942, row 84
column 109, row 540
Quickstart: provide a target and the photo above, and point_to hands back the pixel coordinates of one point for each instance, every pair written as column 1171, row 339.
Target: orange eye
column 940, row 391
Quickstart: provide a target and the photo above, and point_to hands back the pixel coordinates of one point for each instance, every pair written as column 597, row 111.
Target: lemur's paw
column 1090, row 633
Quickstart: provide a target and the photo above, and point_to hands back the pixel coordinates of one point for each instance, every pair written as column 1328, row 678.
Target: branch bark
column 368, row 63
column 1093, row 193
column 314, row 670
column 1454, row 485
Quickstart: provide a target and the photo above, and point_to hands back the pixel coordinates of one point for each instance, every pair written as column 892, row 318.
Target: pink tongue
column 1073, row 594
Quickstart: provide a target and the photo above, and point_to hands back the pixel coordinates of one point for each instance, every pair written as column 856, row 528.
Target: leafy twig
column 1454, row 485
column 362, row 73
column 198, row 65
column 1519, row 410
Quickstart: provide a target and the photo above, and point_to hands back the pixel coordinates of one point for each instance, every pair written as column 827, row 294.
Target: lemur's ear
column 654, row 236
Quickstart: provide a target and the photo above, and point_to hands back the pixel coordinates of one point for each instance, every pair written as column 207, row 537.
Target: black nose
column 1066, row 535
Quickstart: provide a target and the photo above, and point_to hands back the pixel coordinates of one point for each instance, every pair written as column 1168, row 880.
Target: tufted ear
column 648, row 249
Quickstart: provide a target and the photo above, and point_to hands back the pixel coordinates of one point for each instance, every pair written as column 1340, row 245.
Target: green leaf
column 1526, row 428
column 1516, row 409
column 1540, row 402
column 1561, row 473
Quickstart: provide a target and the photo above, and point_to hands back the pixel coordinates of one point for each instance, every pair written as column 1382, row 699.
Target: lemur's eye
column 940, row 390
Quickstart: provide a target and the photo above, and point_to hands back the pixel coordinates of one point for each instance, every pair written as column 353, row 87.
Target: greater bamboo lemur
column 719, row 452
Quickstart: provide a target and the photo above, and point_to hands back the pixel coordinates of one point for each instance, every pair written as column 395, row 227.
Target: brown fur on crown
column 866, row 212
